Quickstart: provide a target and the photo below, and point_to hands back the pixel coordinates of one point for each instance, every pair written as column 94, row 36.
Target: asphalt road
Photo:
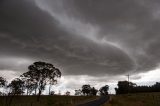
column 97, row 102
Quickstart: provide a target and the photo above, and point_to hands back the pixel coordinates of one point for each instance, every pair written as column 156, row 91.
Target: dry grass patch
column 140, row 99
column 46, row 100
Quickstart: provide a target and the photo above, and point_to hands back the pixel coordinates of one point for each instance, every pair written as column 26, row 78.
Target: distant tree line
column 125, row 87
column 92, row 91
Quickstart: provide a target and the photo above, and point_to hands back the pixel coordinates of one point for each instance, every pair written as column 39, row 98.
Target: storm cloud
column 89, row 37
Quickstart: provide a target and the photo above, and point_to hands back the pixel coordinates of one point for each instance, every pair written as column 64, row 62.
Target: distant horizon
column 61, row 82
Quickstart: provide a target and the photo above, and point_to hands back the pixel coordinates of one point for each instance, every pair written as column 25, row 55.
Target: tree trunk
column 2, row 91
column 35, row 91
column 27, row 91
column 10, row 97
column 49, row 89
column 39, row 94
column 22, row 90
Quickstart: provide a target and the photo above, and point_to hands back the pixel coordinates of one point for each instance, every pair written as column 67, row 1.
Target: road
column 97, row 102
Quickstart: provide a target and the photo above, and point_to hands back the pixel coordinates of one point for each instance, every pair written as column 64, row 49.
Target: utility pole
column 128, row 82
column 128, row 77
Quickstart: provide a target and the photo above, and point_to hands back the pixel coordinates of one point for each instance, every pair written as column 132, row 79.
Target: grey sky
column 97, row 38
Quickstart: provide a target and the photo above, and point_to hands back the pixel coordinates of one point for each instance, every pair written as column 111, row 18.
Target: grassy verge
column 46, row 100
column 141, row 99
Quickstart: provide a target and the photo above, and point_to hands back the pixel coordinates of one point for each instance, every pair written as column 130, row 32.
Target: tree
column 68, row 93
column 17, row 86
column 30, row 85
column 86, row 89
column 52, row 93
column 104, row 90
column 124, row 87
column 78, row 92
column 53, row 77
column 3, row 83
column 156, row 87
column 93, row 91
column 42, row 73
column 129, row 87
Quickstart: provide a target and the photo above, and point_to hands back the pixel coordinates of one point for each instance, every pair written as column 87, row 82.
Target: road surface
column 97, row 102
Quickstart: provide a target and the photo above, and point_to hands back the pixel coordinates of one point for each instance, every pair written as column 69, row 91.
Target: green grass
column 140, row 99
column 47, row 100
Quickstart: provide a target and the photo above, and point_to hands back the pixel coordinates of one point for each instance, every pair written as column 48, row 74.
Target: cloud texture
column 89, row 37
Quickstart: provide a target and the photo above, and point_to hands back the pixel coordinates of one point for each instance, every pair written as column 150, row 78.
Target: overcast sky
column 97, row 42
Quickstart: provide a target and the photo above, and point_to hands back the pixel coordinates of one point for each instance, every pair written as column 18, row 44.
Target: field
column 141, row 99
column 46, row 100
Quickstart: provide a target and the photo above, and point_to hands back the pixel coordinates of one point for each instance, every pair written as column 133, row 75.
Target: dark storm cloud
column 88, row 37
column 132, row 24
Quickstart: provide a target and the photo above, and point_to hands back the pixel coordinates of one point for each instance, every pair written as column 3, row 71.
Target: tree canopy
column 2, row 82
column 104, row 90
column 86, row 89
column 41, row 74
column 16, row 86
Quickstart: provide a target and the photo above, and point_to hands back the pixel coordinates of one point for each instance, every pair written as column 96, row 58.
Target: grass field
column 141, row 99
column 46, row 100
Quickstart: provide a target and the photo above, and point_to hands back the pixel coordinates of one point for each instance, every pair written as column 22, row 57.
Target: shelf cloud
column 90, row 37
